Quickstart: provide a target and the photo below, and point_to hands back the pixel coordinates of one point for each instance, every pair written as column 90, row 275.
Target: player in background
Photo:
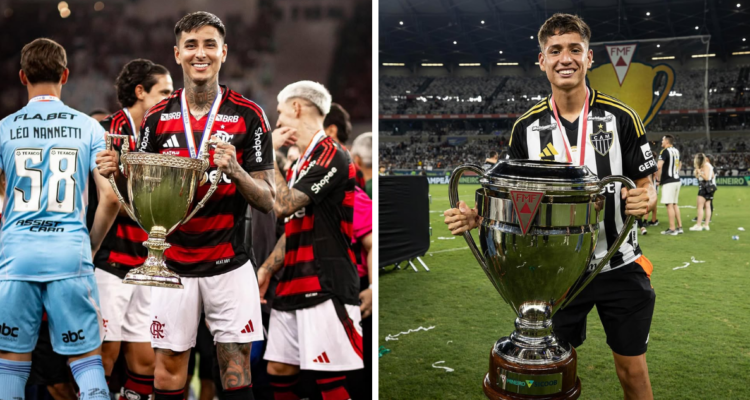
column 669, row 179
column 210, row 252
column 126, row 308
column 490, row 161
column 315, row 321
column 338, row 126
column 47, row 151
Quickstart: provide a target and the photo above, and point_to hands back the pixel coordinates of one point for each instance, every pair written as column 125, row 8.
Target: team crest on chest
column 602, row 140
column 223, row 136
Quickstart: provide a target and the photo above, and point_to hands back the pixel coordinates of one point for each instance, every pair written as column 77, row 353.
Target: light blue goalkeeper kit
column 47, row 152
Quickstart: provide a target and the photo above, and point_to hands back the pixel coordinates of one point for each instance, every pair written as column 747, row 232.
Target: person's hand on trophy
column 641, row 200
column 107, row 162
column 225, row 158
column 461, row 219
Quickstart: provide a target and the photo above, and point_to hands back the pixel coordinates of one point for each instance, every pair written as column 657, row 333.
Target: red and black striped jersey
column 319, row 263
column 122, row 248
column 213, row 242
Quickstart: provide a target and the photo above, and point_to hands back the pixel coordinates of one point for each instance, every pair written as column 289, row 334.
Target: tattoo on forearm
column 234, row 364
column 200, row 97
column 259, row 190
column 287, row 200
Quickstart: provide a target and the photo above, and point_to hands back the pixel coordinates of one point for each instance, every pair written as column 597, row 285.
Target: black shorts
column 47, row 367
column 624, row 300
column 703, row 192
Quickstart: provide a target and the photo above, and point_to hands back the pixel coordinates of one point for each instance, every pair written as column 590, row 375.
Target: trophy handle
column 214, row 184
column 585, row 279
column 453, row 198
column 123, row 152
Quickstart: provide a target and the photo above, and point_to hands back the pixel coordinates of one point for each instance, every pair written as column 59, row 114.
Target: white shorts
column 230, row 301
column 317, row 338
column 125, row 309
column 670, row 192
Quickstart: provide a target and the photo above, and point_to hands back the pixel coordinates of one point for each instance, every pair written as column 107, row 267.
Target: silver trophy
column 539, row 229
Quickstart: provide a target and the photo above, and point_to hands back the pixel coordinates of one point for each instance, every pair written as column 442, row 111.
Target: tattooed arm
column 234, row 364
column 272, row 264
column 256, row 187
column 287, row 200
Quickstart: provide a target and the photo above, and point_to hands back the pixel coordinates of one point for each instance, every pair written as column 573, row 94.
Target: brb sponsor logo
column 316, row 187
column 171, row 116
column 650, row 163
column 8, row 331
column 257, row 145
column 227, row 118
column 72, row 336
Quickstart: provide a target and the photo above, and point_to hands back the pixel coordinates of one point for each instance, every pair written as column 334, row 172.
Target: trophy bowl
column 160, row 189
column 538, row 235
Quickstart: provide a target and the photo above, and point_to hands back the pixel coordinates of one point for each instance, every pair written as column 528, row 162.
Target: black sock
column 284, row 387
column 240, row 393
column 163, row 394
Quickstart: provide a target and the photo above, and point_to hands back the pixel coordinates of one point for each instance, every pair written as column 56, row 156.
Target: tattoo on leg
column 167, row 352
column 234, row 363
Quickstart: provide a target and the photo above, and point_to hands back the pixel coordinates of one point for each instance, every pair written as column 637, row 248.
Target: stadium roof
column 476, row 31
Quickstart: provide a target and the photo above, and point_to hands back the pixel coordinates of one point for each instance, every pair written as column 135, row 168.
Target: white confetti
column 449, row 342
column 395, row 337
column 446, row 238
column 684, row 266
column 741, row 229
column 440, row 366
column 695, row 261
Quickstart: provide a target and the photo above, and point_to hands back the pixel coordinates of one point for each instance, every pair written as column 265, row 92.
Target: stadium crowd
column 513, row 94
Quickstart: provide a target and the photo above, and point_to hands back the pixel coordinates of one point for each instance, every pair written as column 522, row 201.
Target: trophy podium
column 161, row 189
column 539, row 229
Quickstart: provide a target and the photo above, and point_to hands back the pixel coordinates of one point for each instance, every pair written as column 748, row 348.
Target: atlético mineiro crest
column 602, row 140
column 526, row 205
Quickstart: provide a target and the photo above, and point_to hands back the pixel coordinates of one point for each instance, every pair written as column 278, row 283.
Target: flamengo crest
column 602, row 140
column 526, row 205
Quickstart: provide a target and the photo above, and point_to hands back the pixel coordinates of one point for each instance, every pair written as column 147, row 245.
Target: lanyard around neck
column 582, row 125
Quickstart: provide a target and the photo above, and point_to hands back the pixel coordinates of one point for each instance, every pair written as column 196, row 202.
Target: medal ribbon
column 319, row 137
column 189, row 129
column 582, row 125
column 132, row 126
column 44, row 98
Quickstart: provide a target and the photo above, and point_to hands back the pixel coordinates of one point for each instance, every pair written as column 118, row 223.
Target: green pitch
column 698, row 349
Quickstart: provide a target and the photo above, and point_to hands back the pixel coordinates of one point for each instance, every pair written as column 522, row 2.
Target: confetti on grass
column 395, row 337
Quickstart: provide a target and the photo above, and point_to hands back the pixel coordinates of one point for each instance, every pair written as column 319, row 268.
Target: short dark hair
column 560, row 24
column 339, row 117
column 198, row 20
column 98, row 111
column 669, row 138
column 492, row 154
column 137, row 72
column 43, row 60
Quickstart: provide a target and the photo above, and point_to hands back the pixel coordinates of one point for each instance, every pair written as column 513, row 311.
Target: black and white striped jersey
column 670, row 170
column 615, row 145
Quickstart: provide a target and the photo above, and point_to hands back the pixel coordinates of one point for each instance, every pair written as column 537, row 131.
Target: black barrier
column 404, row 213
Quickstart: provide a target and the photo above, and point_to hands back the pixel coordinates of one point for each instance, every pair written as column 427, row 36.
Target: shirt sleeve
column 97, row 143
column 258, row 154
column 637, row 160
column 517, row 144
column 362, row 214
column 327, row 172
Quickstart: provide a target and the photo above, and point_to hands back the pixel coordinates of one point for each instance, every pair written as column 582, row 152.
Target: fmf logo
column 620, row 57
column 171, row 116
column 6, row 330
column 72, row 337
column 316, row 187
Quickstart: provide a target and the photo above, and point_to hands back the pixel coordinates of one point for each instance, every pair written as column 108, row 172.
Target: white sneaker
column 643, row 231
column 669, row 232
column 696, row 228
column 680, row 231
column 706, row 228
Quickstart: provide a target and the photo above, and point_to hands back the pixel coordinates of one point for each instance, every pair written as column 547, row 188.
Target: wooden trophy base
column 512, row 381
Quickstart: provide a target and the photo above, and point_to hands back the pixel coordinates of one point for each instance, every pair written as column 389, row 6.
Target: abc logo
column 6, row 330
column 72, row 337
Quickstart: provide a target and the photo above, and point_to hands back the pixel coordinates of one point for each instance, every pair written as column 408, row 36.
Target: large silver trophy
column 539, row 229
column 161, row 190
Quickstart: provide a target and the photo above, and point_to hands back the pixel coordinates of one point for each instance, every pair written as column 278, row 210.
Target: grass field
column 699, row 346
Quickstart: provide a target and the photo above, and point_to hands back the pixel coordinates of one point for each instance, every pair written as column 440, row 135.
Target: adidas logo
column 322, row 359
column 171, row 143
column 248, row 327
column 548, row 152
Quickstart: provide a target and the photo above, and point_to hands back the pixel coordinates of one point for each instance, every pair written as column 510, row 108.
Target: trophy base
column 508, row 380
column 149, row 276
